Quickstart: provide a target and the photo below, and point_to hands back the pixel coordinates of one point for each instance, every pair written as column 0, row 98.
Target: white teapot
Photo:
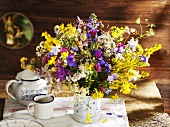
column 26, row 85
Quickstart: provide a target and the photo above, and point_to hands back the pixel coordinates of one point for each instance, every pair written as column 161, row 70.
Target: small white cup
column 43, row 106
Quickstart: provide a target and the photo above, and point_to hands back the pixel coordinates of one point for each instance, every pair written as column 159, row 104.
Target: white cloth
column 114, row 112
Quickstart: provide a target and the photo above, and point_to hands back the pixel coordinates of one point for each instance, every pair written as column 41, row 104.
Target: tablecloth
column 63, row 110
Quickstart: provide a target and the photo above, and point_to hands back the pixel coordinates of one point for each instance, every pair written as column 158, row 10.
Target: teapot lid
column 27, row 75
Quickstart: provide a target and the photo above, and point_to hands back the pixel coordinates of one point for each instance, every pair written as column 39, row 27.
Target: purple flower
column 97, row 67
column 75, row 49
column 88, row 35
column 121, row 48
column 97, row 53
column 64, row 49
column 93, row 32
column 90, row 20
column 133, row 43
column 80, row 22
column 45, row 59
column 58, row 63
column 89, row 26
column 61, row 73
column 108, row 91
column 71, row 61
column 102, row 63
column 105, row 65
column 107, row 68
column 121, row 45
column 112, row 77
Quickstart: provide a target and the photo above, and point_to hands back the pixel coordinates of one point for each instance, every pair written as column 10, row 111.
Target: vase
column 86, row 109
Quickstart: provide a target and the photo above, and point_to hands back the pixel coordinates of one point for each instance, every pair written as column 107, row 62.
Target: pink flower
column 97, row 67
column 102, row 89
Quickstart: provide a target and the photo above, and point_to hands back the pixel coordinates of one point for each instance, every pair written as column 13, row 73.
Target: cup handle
column 28, row 108
column 7, row 87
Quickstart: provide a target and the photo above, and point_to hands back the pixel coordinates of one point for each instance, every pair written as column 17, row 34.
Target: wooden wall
column 45, row 14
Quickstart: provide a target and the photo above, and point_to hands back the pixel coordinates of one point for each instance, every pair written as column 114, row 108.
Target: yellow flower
column 117, row 33
column 152, row 49
column 97, row 94
column 133, row 75
column 125, row 88
column 61, row 28
column 31, row 68
column 133, row 86
column 105, row 120
column 144, row 74
column 71, row 31
column 52, row 60
column 47, row 36
column 114, row 85
column 89, row 67
column 23, row 64
column 138, row 21
column 23, row 59
column 64, row 54
column 56, row 42
column 114, row 97
column 139, row 49
column 88, row 119
column 47, row 45
column 53, row 69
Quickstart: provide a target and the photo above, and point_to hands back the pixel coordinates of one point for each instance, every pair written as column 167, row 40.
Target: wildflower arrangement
column 93, row 61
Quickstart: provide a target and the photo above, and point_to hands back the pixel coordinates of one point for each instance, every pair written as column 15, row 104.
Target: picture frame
column 16, row 30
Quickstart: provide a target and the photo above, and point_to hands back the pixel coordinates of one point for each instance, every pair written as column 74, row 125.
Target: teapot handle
column 7, row 87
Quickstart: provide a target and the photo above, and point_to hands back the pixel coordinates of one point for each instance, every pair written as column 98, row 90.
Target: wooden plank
column 45, row 15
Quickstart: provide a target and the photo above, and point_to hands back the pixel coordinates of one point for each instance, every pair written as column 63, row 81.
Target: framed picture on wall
column 16, row 30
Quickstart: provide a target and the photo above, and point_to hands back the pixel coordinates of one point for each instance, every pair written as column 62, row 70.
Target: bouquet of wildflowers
column 93, row 61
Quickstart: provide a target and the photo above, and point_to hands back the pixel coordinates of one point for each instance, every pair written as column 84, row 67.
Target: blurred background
column 45, row 14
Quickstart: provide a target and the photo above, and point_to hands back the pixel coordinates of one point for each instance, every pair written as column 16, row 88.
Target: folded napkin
column 113, row 114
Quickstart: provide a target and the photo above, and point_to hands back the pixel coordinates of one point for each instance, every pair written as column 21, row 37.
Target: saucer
column 17, row 122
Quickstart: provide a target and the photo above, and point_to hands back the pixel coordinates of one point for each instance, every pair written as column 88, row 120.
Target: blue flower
column 71, row 61
column 112, row 77
column 75, row 49
column 102, row 63
column 107, row 68
column 108, row 91
column 90, row 20
column 95, row 39
column 143, row 58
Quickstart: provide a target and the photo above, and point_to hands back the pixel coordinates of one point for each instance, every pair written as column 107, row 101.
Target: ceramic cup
column 43, row 106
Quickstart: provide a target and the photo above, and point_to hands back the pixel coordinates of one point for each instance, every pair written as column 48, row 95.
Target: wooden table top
column 141, row 105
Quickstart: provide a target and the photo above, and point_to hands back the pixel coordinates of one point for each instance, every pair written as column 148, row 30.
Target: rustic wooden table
column 144, row 106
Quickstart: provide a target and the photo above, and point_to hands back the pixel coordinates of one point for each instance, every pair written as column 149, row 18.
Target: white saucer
column 17, row 122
